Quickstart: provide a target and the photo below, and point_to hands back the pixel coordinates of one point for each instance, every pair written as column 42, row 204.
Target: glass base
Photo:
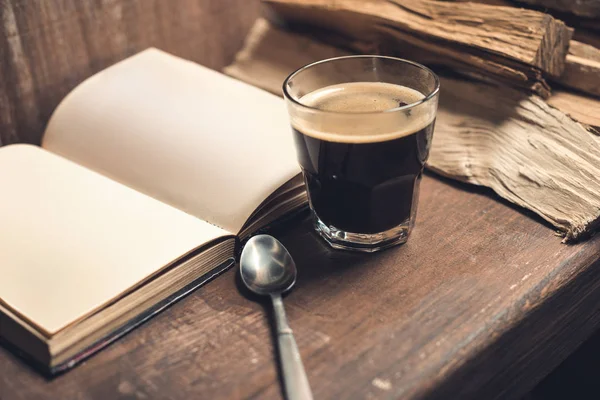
column 364, row 242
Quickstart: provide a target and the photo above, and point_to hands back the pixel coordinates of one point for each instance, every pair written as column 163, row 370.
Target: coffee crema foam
column 357, row 112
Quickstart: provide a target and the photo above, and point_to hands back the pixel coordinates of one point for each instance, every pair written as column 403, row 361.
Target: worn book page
column 72, row 240
column 188, row 136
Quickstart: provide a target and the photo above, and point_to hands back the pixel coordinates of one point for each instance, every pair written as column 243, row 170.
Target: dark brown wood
column 588, row 37
column 583, row 8
column 580, row 8
column 481, row 303
column 575, row 378
column 48, row 47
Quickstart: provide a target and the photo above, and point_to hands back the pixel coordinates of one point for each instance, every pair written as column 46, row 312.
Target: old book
column 513, row 45
column 515, row 143
column 148, row 173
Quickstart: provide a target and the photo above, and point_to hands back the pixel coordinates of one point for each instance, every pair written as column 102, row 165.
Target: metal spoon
column 268, row 269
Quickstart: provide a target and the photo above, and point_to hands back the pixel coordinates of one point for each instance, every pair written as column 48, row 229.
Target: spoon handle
column 294, row 376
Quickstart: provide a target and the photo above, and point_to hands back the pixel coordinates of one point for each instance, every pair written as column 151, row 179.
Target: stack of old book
column 520, row 102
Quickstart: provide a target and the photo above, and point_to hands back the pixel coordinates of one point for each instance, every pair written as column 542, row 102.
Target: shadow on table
column 578, row 377
column 314, row 258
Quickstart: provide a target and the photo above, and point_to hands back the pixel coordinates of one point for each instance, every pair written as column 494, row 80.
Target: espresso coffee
column 363, row 173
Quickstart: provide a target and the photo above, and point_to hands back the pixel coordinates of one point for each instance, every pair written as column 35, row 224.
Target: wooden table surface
column 481, row 303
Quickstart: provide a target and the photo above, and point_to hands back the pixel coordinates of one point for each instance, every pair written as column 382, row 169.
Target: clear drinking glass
column 362, row 126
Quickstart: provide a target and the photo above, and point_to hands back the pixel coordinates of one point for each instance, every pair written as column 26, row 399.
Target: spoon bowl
column 266, row 266
column 268, row 269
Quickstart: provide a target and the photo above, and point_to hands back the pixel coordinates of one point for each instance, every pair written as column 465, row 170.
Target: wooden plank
column 48, row 47
column 584, row 109
column 526, row 151
column 578, row 22
column 582, row 68
column 530, row 39
column 490, row 68
column 480, row 304
column 518, row 37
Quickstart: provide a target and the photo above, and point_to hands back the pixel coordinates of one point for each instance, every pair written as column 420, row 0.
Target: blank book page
column 186, row 135
column 72, row 240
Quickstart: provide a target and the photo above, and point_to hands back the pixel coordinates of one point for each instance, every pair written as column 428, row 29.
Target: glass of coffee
column 362, row 126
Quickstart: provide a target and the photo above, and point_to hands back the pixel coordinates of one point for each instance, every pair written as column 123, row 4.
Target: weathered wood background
column 48, row 47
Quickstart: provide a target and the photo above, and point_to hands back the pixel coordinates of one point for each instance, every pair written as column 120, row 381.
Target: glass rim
column 427, row 97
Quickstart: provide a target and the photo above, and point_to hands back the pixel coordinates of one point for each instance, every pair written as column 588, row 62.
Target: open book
column 147, row 173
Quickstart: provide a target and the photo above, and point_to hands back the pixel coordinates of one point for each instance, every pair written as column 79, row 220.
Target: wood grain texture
column 585, row 109
column 495, row 136
column 582, row 71
column 574, row 21
column 526, row 151
column 481, row 303
column 487, row 68
column 522, row 40
column 48, row 47
column 530, row 39
column 582, row 68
